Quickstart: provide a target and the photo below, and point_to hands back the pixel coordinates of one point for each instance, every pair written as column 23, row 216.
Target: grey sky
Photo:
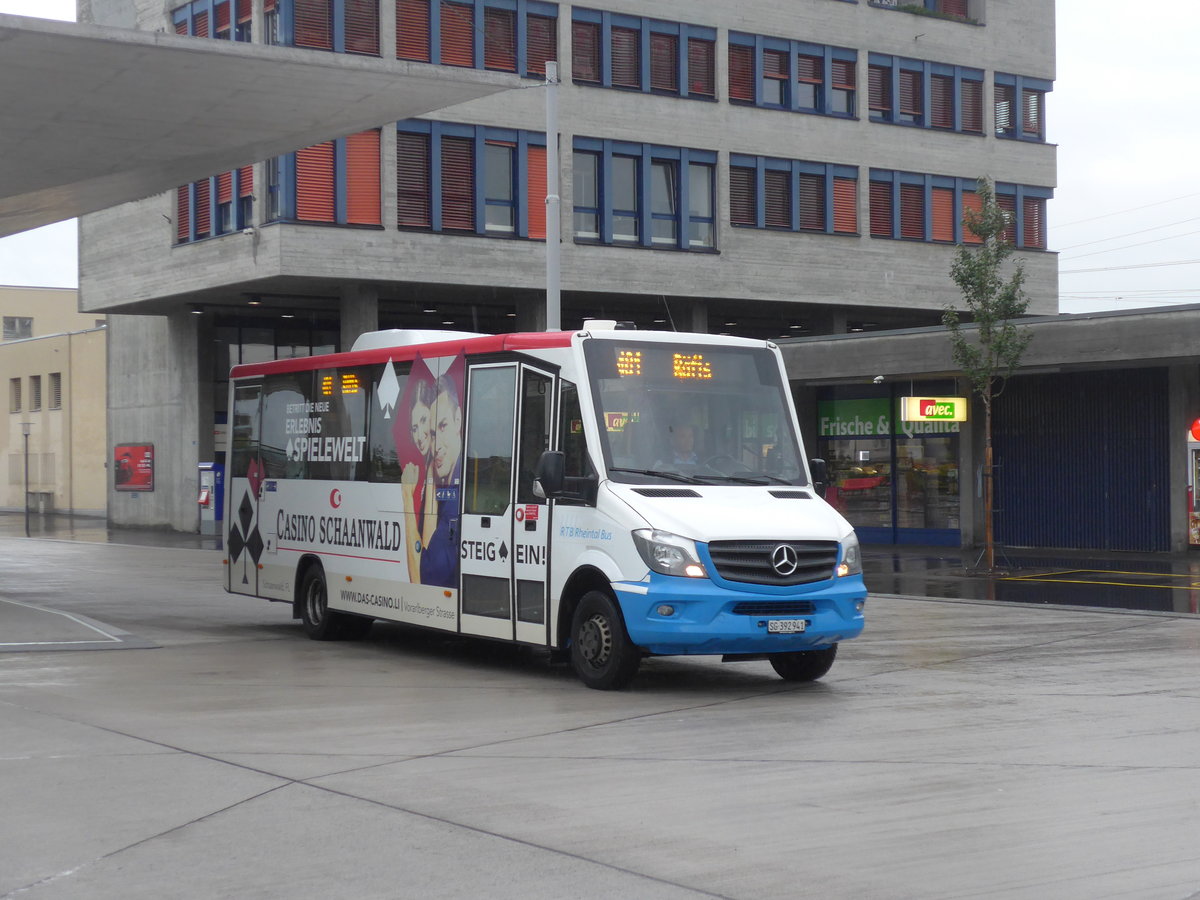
column 1123, row 213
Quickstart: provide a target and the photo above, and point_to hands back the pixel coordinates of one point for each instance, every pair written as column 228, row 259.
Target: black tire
column 803, row 665
column 320, row 622
column 601, row 653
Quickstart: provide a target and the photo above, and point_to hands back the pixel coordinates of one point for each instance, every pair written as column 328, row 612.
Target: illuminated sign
column 691, row 365
column 350, row 383
column 326, row 385
column 940, row 409
column 629, row 362
column 347, row 381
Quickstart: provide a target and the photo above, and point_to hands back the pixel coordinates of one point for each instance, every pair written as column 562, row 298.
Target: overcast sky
column 1122, row 111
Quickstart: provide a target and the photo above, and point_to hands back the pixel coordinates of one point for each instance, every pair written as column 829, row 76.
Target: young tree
column 988, row 353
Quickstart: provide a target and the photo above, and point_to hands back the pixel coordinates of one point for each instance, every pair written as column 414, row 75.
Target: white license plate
column 786, row 626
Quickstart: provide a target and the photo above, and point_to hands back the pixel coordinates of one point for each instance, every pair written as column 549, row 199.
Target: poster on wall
column 133, row 467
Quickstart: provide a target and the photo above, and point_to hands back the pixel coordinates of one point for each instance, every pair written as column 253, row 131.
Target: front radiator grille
column 779, row 608
column 752, row 562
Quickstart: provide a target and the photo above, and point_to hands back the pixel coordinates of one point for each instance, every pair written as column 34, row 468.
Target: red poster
column 133, row 467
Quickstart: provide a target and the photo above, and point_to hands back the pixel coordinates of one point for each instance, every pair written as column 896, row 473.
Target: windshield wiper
column 756, row 478
column 673, row 476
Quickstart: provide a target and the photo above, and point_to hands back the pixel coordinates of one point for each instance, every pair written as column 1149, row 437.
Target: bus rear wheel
column 803, row 665
column 320, row 622
column 601, row 653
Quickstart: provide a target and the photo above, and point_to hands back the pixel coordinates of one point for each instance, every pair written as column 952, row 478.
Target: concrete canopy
column 91, row 116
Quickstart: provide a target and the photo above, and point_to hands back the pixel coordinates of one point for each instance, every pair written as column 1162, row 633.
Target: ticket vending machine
column 211, row 497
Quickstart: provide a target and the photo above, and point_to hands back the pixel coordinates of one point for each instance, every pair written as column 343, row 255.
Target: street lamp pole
column 553, row 300
column 25, row 426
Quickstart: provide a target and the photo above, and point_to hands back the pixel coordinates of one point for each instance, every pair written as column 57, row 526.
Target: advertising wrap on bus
column 604, row 494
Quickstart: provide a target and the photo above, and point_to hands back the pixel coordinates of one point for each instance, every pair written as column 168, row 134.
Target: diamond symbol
column 236, row 543
column 245, row 513
column 254, row 545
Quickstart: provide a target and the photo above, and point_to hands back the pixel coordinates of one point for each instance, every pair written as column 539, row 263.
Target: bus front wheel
column 803, row 665
column 601, row 653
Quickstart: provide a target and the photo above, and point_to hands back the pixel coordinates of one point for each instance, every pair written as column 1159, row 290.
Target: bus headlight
column 668, row 554
column 851, row 563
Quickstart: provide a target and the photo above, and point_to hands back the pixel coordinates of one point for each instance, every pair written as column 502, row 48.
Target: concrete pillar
column 697, row 317
column 359, row 312
column 826, row 320
column 531, row 311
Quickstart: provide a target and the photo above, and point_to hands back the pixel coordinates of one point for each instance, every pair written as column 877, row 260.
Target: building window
column 509, row 36
column 221, row 19
column 637, row 195
column 932, row 208
column 14, row 395
column 335, row 182
column 35, row 393
column 632, row 53
column 925, row 94
column 340, row 26
column 56, row 390
column 946, row 9
column 18, row 328
column 222, row 204
column 793, row 75
column 1020, row 107
column 793, row 195
column 471, row 179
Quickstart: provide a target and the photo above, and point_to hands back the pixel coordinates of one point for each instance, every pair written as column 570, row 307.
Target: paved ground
column 958, row 749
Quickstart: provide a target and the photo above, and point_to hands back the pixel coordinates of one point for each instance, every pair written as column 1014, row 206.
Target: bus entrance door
column 504, row 526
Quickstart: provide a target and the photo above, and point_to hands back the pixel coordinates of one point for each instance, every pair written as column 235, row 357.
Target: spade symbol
column 503, row 552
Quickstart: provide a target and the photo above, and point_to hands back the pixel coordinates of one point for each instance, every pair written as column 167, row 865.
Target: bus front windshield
column 700, row 414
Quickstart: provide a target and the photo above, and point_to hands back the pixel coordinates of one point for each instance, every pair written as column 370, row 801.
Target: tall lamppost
column 25, row 426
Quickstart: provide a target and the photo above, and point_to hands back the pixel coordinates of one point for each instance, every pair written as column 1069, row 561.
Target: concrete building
column 52, row 363
column 764, row 169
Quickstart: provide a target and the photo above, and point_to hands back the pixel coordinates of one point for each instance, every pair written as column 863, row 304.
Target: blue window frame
column 506, row 35
column 777, row 73
column 214, row 206
column 1020, row 107
column 925, row 94
column 497, row 171
column 221, row 19
column 792, row 195
column 649, row 55
column 341, row 26
column 644, row 195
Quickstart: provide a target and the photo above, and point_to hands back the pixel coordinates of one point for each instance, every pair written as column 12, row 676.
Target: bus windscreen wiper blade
column 756, row 478
column 673, row 476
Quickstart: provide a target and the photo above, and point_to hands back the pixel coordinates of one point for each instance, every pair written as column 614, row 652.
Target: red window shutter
column 942, row 214
column 314, row 184
column 363, row 203
column 541, row 43
column 972, row 206
column 702, row 78
column 362, row 27
column 225, row 188
column 879, row 89
column 664, row 62
column 741, row 196
column 585, row 51
column 941, row 101
column 458, row 184
column 412, row 170
column 203, row 208
column 1008, row 204
column 243, row 11
column 810, row 69
column 972, row 106
column 535, row 192
column 626, row 58
column 845, row 206
column 222, row 16
column 183, row 213
column 412, row 24
column 741, row 73
column 777, row 197
column 268, row 6
column 881, row 209
column 774, row 64
column 246, row 181
column 181, row 27
column 500, row 39
column 910, row 94
column 912, row 211
column 1033, row 234
column 844, row 74
column 458, row 34
column 956, row 8
column 200, row 25
column 314, row 24
column 812, row 202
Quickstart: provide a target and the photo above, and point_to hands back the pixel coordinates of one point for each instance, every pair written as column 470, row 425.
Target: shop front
column 896, row 481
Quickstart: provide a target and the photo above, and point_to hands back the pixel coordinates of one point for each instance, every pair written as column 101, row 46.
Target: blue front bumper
column 703, row 621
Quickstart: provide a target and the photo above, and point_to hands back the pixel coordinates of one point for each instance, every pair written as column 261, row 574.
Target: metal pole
column 553, row 201
column 25, row 433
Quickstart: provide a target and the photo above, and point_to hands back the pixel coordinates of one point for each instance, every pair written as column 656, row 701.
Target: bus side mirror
column 550, row 480
column 820, row 475
column 548, row 476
